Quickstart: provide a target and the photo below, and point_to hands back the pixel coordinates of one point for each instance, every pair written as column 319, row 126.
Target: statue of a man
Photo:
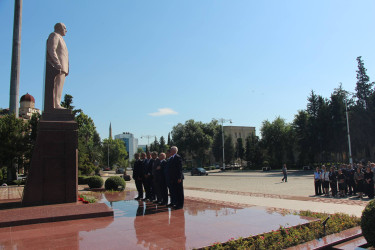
column 57, row 68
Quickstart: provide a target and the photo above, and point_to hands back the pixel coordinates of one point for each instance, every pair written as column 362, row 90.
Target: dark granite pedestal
column 52, row 177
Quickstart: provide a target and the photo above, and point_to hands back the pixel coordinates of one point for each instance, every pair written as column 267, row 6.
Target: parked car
column 198, row 171
column 21, row 177
column 266, row 168
column 120, row 171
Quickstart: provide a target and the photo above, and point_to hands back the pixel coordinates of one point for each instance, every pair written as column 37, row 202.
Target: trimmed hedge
column 368, row 223
column 82, row 180
column 95, row 182
column 115, row 183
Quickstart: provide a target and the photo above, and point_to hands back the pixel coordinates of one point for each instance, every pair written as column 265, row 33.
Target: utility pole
column 222, row 121
column 16, row 52
column 148, row 138
column 347, row 126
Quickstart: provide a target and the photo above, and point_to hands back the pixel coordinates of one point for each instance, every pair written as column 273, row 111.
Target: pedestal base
column 52, row 177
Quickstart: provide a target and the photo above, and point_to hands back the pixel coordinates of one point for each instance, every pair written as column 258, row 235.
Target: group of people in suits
column 158, row 175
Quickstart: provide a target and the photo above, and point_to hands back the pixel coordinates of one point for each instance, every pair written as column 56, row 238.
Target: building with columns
column 239, row 132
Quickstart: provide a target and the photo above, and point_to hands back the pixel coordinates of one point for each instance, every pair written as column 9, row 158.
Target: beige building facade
column 238, row 132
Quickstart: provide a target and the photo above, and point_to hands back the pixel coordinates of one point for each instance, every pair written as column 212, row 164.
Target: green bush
column 95, row 182
column 115, row 183
column 83, row 180
column 368, row 222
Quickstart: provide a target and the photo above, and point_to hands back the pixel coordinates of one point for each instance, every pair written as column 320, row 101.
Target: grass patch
column 288, row 237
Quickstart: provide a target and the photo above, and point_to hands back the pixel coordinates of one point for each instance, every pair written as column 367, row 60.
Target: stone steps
column 355, row 243
column 348, row 239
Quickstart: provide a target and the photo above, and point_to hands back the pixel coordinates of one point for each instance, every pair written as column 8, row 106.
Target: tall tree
column 229, row 149
column 302, row 137
column 192, row 140
column 362, row 117
column 117, row 152
column 364, row 88
column 217, row 146
column 253, row 152
column 169, row 142
column 162, row 146
column 67, row 102
column 275, row 140
column 14, row 143
column 240, row 150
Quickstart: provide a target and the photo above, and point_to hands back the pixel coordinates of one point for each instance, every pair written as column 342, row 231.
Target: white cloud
column 164, row 111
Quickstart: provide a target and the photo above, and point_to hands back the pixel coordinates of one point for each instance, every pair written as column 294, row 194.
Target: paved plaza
column 218, row 207
column 266, row 189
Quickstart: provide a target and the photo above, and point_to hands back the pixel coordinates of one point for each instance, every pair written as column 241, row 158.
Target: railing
column 11, row 192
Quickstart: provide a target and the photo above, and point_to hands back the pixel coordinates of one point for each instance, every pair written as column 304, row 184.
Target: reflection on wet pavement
column 138, row 225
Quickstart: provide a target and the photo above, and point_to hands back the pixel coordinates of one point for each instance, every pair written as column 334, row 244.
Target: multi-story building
column 239, row 132
column 131, row 143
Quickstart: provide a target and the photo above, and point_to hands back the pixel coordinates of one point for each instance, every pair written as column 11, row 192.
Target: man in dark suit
column 138, row 176
column 156, row 177
column 145, row 174
column 176, row 178
column 163, row 180
column 148, row 175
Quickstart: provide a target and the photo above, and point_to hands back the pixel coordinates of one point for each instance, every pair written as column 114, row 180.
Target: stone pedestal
column 52, row 177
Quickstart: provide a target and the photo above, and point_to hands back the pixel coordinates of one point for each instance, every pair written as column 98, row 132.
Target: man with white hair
column 176, row 178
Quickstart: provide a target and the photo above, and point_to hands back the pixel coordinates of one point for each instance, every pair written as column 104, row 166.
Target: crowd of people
column 345, row 180
column 158, row 175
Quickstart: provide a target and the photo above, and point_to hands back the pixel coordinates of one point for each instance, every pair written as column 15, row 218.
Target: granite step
column 327, row 242
column 356, row 243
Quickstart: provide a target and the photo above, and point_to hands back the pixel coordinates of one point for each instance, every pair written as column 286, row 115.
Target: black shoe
column 177, row 207
column 170, row 205
column 155, row 202
column 144, row 199
column 137, row 198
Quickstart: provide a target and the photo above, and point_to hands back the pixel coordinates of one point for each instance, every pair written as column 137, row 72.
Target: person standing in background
column 285, row 173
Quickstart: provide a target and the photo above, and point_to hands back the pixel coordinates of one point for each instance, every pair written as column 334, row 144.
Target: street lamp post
column 148, row 138
column 222, row 121
column 347, row 126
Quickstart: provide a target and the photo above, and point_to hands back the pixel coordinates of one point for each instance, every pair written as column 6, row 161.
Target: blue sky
column 245, row 60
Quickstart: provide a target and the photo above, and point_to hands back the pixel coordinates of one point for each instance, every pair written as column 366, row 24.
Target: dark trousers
column 164, row 192
column 178, row 194
column 334, row 188
column 351, row 187
column 156, row 189
column 139, row 185
column 370, row 189
column 147, row 183
column 285, row 178
column 318, row 187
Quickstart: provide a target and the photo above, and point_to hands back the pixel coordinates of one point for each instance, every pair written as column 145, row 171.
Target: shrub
column 82, row 180
column 95, row 182
column 368, row 222
column 115, row 183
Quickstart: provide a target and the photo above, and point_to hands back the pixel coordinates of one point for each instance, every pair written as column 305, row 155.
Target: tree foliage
column 116, row 150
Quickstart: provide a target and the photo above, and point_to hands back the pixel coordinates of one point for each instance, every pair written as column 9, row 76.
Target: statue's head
column 60, row 28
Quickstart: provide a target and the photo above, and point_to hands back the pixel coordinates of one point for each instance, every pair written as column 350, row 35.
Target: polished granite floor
column 139, row 225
